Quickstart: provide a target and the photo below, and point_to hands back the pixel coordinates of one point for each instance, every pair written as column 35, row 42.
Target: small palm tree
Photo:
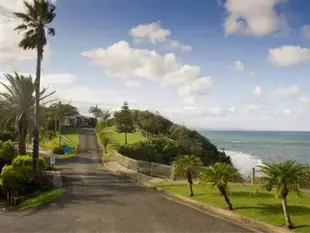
column 219, row 174
column 38, row 15
column 283, row 178
column 62, row 111
column 187, row 166
column 17, row 105
column 96, row 111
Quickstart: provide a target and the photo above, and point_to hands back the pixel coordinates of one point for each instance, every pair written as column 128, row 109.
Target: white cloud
column 197, row 111
column 10, row 53
column 121, row 61
column 239, row 66
column 257, row 18
column 154, row 33
column 288, row 55
column 305, row 32
column 257, row 91
column 288, row 91
column 304, row 100
column 131, row 83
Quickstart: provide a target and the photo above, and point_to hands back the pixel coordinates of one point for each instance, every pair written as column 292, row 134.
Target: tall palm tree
column 36, row 18
column 187, row 166
column 219, row 174
column 17, row 105
column 283, row 178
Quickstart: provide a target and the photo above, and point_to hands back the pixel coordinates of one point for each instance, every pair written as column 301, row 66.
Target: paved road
column 97, row 201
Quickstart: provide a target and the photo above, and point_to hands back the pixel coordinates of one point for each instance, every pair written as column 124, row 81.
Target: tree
column 104, row 116
column 62, row 111
column 219, row 174
column 187, row 166
column 38, row 15
column 283, row 178
column 17, row 105
column 124, row 121
column 97, row 112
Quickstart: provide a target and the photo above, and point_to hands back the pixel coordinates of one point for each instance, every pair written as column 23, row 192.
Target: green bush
column 46, row 135
column 17, row 180
column 6, row 135
column 20, row 179
column 58, row 150
column 159, row 150
column 26, row 160
column 7, row 153
column 305, row 179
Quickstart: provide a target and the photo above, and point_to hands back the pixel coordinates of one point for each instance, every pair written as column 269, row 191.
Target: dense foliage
column 20, row 178
column 159, row 150
column 6, row 135
column 187, row 141
column 7, row 153
column 59, row 150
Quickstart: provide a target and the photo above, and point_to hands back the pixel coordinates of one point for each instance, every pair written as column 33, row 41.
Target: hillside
column 166, row 140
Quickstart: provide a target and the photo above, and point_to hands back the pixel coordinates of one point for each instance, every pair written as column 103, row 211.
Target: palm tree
column 62, row 111
column 17, row 105
column 104, row 116
column 187, row 166
column 95, row 111
column 38, row 15
column 283, row 178
column 219, row 174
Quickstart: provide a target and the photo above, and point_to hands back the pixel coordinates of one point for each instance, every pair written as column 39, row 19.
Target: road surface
column 97, row 201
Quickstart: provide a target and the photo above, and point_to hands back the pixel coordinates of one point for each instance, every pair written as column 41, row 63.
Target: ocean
column 249, row 149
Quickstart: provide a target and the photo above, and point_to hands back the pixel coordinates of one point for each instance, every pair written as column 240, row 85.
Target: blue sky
column 233, row 64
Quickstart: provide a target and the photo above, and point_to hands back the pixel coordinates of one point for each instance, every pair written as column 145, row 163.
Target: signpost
column 67, row 149
column 52, row 160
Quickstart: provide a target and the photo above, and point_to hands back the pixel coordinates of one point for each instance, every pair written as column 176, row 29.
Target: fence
column 67, row 141
column 147, row 168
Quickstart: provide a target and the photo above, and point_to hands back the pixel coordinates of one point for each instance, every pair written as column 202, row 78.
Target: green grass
column 41, row 199
column 70, row 133
column 119, row 139
column 260, row 205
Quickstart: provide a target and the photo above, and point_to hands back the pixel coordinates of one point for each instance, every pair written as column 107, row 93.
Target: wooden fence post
column 253, row 175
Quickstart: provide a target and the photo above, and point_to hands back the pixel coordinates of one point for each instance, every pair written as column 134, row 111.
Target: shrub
column 305, row 179
column 159, row 150
column 7, row 153
column 6, row 135
column 17, row 180
column 27, row 160
column 58, row 150
column 20, row 179
column 46, row 135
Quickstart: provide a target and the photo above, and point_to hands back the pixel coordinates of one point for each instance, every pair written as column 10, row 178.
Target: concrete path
column 97, row 201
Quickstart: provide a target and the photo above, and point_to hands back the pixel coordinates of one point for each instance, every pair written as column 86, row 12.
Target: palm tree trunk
column 36, row 136
column 22, row 135
column 288, row 221
column 224, row 194
column 190, row 183
column 59, row 132
column 125, row 138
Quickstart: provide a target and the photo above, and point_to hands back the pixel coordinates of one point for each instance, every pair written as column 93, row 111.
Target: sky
column 213, row 64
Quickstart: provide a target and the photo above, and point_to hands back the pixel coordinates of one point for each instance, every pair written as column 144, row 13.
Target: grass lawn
column 41, row 199
column 70, row 133
column 260, row 205
column 119, row 138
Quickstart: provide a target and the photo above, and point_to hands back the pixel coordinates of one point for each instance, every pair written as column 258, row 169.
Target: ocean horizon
column 250, row 148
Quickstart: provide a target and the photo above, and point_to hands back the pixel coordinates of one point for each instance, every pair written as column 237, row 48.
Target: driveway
column 97, row 201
